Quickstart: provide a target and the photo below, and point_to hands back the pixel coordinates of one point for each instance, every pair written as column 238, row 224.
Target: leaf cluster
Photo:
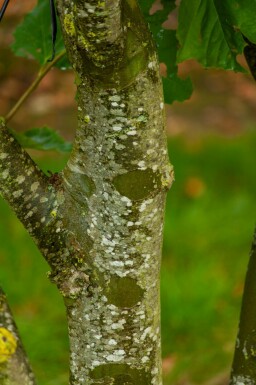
column 213, row 32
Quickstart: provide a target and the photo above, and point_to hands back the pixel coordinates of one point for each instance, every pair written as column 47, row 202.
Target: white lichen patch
column 124, row 232
column 17, row 193
column 114, row 358
column 114, row 98
column 142, row 165
column 43, row 199
column 20, row 179
column 5, row 174
column 242, row 380
column 34, row 186
column 131, row 133
column 3, row 155
column 152, row 64
column 29, row 171
column 117, row 128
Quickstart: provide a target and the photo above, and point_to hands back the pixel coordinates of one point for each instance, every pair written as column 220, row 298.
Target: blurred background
column 209, row 224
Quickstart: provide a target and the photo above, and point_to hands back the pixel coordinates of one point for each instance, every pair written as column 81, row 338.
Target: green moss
column 69, row 25
column 124, row 292
column 91, row 47
column 137, row 184
column 119, row 374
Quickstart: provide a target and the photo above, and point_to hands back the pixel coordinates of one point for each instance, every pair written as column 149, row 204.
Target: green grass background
column 210, row 217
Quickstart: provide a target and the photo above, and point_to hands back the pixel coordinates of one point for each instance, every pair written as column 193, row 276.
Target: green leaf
column 206, row 33
column 146, row 5
column 176, row 89
column 243, row 16
column 33, row 35
column 167, row 45
column 43, row 138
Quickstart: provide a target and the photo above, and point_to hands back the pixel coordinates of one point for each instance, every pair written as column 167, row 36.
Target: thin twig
column 41, row 74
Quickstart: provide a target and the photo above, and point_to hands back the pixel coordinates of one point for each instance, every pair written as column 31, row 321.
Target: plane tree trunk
column 99, row 222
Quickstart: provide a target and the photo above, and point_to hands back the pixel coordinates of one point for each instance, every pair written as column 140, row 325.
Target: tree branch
column 39, row 203
column 104, row 40
column 244, row 363
column 41, row 74
column 23, row 185
column 14, row 366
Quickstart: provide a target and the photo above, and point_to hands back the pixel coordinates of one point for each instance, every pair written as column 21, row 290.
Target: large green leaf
column 33, row 35
column 43, row 138
column 206, row 33
column 243, row 13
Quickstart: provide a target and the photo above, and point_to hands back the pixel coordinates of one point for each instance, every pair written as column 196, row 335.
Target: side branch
column 244, row 364
column 23, row 185
column 42, row 73
column 14, row 366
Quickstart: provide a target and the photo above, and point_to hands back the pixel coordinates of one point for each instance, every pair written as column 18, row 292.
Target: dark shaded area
column 124, row 292
column 138, row 184
column 122, row 375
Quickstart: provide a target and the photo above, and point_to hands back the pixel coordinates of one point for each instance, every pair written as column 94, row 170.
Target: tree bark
column 99, row 223
column 14, row 366
column 244, row 362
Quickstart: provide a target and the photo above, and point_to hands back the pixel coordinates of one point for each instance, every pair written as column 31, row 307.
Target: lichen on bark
column 14, row 365
column 120, row 148
column 100, row 228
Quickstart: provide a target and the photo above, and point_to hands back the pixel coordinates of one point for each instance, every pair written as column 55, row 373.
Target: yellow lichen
column 89, row 47
column 69, row 25
column 133, row 4
column 54, row 213
column 91, row 34
column 8, row 344
column 83, row 42
column 101, row 4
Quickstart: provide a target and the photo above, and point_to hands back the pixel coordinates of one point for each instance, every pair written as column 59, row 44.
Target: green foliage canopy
column 213, row 32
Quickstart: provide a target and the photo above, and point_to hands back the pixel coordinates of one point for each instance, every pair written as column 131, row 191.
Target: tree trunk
column 244, row 362
column 99, row 223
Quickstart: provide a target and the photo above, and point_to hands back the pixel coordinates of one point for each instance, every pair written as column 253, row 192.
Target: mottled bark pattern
column 100, row 227
column 114, row 186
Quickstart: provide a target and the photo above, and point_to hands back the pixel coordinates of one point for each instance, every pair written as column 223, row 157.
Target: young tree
column 99, row 222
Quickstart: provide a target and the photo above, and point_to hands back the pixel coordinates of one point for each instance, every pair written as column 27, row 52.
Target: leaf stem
column 41, row 74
